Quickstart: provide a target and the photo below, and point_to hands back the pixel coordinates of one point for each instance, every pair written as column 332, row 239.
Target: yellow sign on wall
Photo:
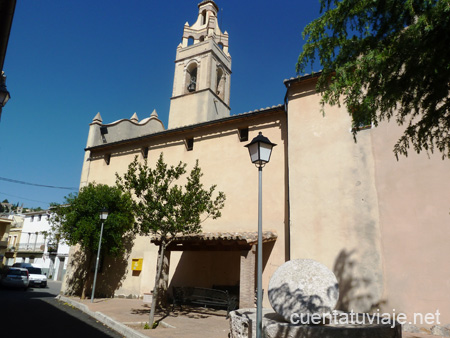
column 136, row 264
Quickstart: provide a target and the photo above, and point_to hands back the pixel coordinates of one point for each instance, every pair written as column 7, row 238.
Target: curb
column 108, row 321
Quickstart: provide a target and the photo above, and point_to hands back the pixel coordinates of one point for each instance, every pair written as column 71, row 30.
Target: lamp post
column 260, row 149
column 4, row 94
column 103, row 217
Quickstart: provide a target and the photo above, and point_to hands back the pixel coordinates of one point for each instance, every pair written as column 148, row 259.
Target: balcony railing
column 34, row 247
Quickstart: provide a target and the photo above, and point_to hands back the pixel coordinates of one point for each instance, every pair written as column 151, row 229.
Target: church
column 380, row 224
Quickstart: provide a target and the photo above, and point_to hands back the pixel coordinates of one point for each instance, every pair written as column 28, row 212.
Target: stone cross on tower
column 201, row 85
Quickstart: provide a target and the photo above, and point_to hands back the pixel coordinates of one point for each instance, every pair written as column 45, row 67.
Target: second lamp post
column 103, row 217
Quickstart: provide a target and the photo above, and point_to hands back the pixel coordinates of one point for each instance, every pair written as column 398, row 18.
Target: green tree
column 386, row 59
column 77, row 221
column 166, row 209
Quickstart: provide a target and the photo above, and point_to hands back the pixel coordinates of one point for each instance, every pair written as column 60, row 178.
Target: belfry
column 201, row 84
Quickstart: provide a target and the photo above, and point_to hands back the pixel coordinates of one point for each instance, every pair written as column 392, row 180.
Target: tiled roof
column 248, row 237
column 261, row 110
column 193, row 126
column 302, row 77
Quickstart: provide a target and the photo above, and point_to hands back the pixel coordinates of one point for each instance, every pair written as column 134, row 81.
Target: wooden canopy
column 216, row 241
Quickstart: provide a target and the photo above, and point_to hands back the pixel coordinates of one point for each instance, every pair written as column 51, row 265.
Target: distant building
column 6, row 208
column 30, row 241
column 380, row 224
column 5, row 227
column 12, row 237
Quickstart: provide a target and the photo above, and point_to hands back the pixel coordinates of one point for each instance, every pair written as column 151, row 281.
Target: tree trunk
column 88, row 273
column 162, row 249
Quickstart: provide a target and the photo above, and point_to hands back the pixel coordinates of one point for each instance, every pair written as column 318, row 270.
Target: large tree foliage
column 78, row 221
column 164, row 208
column 386, row 59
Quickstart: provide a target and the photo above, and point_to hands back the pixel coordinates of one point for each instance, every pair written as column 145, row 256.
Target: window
column 190, row 41
column 364, row 121
column 191, row 77
column 144, row 152
column 361, row 126
column 35, row 271
column 243, row 134
column 103, row 132
column 365, row 124
column 204, row 17
column 189, row 142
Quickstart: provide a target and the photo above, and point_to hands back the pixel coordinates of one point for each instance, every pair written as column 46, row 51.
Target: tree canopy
column 386, row 59
column 164, row 208
column 78, row 219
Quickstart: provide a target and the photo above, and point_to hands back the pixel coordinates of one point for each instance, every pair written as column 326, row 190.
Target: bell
column 191, row 87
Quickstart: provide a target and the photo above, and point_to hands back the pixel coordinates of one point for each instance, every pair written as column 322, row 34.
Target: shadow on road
column 37, row 313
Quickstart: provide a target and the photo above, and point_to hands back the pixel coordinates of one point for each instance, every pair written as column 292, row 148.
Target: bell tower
column 201, row 84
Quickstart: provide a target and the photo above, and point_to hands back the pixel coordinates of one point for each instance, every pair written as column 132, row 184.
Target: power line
column 36, row 184
column 23, row 198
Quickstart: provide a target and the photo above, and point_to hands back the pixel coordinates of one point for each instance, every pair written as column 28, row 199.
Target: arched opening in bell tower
column 191, row 78
column 204, row 17
column 220, row 83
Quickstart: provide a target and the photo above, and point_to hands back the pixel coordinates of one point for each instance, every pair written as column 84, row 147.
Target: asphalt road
column 36, row 313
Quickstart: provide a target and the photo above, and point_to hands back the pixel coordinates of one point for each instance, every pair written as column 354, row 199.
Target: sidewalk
column 128, row 317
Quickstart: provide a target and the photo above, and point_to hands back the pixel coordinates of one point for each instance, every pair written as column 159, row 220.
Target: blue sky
column 68, row 60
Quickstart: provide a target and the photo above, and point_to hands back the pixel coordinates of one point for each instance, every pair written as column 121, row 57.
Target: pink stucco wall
column 382, row 225
column 414, row 204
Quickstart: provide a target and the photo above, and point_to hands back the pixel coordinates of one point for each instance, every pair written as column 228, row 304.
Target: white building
column 36, row 246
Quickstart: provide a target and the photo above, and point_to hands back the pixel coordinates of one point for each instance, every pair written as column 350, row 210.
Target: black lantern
column 260, row 149
column 104, row 213
column 4, row 94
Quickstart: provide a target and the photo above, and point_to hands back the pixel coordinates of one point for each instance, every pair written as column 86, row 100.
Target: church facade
column 381, row 225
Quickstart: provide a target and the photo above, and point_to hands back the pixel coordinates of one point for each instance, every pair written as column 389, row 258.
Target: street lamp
column 4, row 94
column 103, row 217
column 260, row 149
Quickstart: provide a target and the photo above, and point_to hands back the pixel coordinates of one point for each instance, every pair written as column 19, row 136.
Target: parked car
column 37, row 278
column 22, row 265
column 15, row 277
